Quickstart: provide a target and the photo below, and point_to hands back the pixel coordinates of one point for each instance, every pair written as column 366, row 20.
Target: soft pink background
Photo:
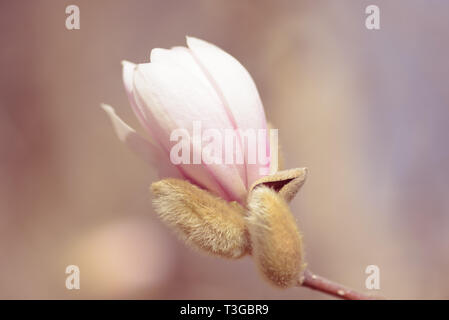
column 366, row 111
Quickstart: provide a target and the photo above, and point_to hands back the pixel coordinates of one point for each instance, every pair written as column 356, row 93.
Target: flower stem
column 324, row 285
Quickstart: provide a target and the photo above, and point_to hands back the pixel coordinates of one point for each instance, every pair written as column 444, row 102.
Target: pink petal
column 142, row 147
column 182, row 58
column 128, row 75
column 173, row 98
column 236, row 89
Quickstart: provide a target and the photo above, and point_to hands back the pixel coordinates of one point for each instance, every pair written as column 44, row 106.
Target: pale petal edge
column 146, row 150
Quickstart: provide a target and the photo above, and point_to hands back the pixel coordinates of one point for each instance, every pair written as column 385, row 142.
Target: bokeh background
column 366, row 111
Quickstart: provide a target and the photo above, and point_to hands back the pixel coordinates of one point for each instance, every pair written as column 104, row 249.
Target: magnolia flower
column 196, row 83
column 226, row 208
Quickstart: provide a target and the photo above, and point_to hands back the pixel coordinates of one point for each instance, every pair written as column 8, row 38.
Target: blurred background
column 366, row 111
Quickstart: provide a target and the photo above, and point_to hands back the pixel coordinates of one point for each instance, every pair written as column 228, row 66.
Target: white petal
column 128, row 76
column 174, row 99
column 183, row 58
column 142, row 147
column 234, row 85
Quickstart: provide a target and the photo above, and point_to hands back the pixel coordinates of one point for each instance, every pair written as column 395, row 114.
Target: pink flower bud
column 196, row 83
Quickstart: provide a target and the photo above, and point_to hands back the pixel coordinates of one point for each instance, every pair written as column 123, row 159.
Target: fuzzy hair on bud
column 286, row 182
column 276, row 242
column 202, row 219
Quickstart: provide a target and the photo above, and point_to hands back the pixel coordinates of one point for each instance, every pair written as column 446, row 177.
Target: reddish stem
column 324, row 285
